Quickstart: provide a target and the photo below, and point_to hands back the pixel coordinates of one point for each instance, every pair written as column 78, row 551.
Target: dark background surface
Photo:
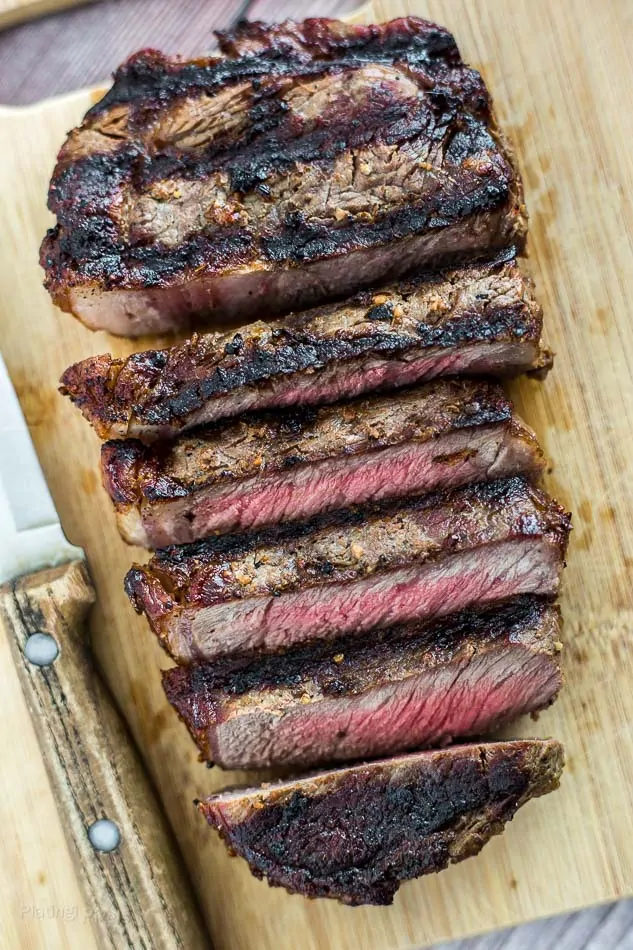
column 82, row 47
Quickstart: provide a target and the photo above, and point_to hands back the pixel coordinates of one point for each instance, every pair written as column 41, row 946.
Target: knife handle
column 137, row 895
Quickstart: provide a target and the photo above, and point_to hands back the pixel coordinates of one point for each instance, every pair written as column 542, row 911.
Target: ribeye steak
column 405, row 688
column 310, row 160
column 352, row 571
column 481, row 319
column 355, row 834
column 264, row 468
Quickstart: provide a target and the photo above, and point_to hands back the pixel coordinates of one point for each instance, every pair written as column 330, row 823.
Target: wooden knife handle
column 138, row 895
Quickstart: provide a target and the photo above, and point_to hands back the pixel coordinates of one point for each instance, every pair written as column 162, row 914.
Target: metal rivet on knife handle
column 41, row 649
column 104, row 835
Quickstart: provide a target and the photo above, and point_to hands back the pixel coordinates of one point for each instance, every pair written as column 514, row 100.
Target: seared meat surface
column 352, row 571
column 408, row 687
column 355, row 834
column 352, row 560
column 481, row 319
column 288, row 466
column 312, row 160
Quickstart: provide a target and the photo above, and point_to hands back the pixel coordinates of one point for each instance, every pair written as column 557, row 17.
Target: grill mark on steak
column 395, row 819
column 195, row 189
column 455, row 581
column 308, row 48
column 409, row 687
column 348, row 571
column 265, row 468
column 481, row 319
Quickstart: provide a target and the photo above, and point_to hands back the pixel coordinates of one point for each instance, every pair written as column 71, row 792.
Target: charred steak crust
column 238, row 475
column 357, row 663
column 409, row 687
column 326, row 140
column 276, row 442
column 159, row 392
column 352, row 570
column 395, row 819
column 202, row 571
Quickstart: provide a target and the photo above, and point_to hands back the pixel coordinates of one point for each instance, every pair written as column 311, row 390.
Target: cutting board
column 561, row 75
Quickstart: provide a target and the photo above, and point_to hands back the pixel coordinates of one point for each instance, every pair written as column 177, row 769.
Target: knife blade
column 31, row 535
column 134, row 883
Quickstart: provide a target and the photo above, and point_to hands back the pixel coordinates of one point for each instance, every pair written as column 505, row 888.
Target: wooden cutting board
column 561, row 75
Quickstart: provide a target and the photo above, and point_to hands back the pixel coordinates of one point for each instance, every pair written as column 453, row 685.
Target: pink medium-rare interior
column 342, row 380
column 457, row 458
column 479, row 576
column 464, row 698
column 264, row 290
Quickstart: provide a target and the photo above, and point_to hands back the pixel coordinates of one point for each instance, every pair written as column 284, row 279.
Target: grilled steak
column 239, row 475
column 405, row 688
column 352, row 571
column 314, row 161
column 355, row 834
column 479, row 320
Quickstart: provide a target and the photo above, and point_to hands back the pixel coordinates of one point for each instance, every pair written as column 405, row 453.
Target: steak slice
column 483, row 319
column 266, row 468
column 405, row 688
column 352, row 571
column 319, row 160
column 354, row 834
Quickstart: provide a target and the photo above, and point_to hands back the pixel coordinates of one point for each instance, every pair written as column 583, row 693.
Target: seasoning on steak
column 355, row 834
column 410, row 687
column 352, row 571
column 321, row 159
column 266, row 468
column 482, row 319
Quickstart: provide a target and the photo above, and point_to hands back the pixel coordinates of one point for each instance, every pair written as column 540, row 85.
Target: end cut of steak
column 481, row 319
column 352, row 571
column 407, row 688
column 266, row 468
column 316, row 161
column 355, row 834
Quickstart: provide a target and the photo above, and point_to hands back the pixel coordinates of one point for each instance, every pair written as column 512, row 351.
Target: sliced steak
column 266, row 468
column 409, row 687
column 355, row 834
column 352, row 571
column 321, row 160
column 478, row 320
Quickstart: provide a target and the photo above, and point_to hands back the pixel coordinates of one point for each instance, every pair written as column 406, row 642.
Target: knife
column 134, row 883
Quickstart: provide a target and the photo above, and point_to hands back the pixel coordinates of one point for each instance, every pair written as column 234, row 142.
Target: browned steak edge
column 446, row 805
column 200, row 692
column 85, row 246
column 133, row 472
column 147, row 387
column 165, row 582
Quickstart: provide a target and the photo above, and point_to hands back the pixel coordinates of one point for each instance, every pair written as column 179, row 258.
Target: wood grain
column 42, row 902
column 599, row 928
column 136, row 896
column 560, row 74
column 16, row 11
column 82, row 47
